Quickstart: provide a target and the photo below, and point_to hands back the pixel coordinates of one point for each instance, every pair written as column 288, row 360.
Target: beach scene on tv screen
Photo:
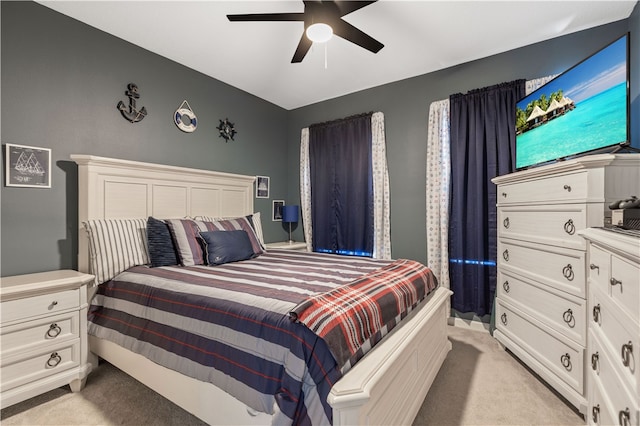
column 581, row 110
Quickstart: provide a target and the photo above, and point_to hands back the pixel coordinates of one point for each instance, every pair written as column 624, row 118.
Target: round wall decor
column 185, row 118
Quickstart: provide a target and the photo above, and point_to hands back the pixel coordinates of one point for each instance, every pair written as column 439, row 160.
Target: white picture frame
column 27, row 166
column 262, row 186
column 276, row 211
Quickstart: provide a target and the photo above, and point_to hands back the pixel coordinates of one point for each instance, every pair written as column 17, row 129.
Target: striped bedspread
column 230, row 325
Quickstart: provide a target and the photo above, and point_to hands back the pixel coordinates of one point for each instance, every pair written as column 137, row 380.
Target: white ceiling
column 419, row 37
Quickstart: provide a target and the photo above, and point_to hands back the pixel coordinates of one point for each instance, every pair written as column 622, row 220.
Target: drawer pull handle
column 503, row 318
column 593, row 266
column 505, row 222
column 567, row 188
column 594, row 361
column 54, row 330
column 505, row 255
column 506, row 287
column 626, row 352
column 624, row 417
column 613, row 281
column 596, row 313
column 504, row 194
column 569, row 318
column 53, row 304
column 569, row 227
column 595, row 413
column 54, row 360
column 566, row 361
column 567, row 271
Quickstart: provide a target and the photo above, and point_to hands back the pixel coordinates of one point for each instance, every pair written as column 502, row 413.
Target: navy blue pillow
column 162, row 251
column 227, row 246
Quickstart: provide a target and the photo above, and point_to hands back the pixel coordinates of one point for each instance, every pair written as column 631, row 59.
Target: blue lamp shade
column 290, row 213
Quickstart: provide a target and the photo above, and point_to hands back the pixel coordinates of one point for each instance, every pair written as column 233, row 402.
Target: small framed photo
column 276, row 216
column 262, row 187
column 27, row 166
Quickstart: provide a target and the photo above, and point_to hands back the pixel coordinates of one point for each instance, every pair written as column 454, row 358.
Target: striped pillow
column 116, row 245
column 254, row 220
column 186, row 235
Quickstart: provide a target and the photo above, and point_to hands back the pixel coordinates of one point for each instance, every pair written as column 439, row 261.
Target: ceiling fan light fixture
column 319, row 33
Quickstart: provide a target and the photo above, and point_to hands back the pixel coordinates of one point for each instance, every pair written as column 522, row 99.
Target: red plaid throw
column 365, row 309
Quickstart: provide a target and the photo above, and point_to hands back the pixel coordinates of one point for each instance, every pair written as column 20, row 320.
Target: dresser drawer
column 616, row 277
column 45, row 304
column 620, row 336
column 548, row 224
column 619, row 398
column 561, row 311
column 550, row 348
column 35, row 365
column 564, row 188
column 557, row 267
column 29, row 335
column 600, row 410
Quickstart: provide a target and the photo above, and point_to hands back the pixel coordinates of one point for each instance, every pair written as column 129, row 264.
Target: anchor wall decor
column 132, row 113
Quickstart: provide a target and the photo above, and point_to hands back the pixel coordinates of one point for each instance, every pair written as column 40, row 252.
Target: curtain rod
column 364, row 114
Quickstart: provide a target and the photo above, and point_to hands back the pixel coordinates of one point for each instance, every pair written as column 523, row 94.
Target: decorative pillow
column 162, row 251
column 227, row 246
column 254, row 220
column 186, row 237
column 188, row 241
column 116, row 245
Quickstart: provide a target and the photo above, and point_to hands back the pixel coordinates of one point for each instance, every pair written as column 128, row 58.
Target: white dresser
column 43, row 333
column 614, row 327
column 541, row 305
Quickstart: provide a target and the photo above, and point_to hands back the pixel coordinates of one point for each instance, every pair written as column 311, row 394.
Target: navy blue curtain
column 482, row 147
column 342, row 186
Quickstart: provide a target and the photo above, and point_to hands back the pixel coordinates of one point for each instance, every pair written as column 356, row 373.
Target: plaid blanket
column 353, row 317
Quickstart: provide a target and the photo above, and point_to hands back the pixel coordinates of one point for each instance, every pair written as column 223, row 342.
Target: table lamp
column 290, row 215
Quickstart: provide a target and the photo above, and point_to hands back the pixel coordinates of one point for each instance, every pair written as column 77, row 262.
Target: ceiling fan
column 320, row 12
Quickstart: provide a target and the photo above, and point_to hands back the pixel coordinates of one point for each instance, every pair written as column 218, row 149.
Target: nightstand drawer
column 29, row 335
column 35, row 365
column 45, row 304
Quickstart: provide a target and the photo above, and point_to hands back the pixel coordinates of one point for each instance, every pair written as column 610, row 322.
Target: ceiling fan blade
column 347, row 7
column 303, row 47
column 349, row 32
column 252, row 17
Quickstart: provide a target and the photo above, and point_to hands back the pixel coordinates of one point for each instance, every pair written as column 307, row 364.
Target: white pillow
column 116, row 245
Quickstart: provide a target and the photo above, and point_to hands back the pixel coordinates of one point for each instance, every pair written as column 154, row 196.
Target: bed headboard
column 110, row 188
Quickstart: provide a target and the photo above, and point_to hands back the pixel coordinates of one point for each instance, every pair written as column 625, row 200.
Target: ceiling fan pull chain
column 325, row 56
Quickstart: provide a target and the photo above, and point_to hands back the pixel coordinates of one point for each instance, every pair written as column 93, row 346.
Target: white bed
column 387, row 386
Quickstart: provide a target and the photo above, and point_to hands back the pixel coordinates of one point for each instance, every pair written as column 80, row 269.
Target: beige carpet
column 479, row 384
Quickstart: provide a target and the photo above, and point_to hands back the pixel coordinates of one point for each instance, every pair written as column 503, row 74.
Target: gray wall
column 61, row 81
column 405, row 105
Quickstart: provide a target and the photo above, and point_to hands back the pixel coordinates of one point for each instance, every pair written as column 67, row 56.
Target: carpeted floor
column 479, row 384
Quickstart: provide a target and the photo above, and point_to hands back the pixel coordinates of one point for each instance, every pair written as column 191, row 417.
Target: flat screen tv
column 583, row 110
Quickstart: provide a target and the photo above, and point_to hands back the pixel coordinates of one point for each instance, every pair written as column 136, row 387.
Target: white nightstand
column 43, row 333
column 286, row 245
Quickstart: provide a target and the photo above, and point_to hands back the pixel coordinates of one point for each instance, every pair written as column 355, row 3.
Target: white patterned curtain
column 438, row 187
column 381, row 225
column 305, row 188
column 381, row 208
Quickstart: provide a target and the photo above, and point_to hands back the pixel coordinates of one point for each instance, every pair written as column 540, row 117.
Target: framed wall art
column 262, row 187
column 276, row 214
column 27, row 166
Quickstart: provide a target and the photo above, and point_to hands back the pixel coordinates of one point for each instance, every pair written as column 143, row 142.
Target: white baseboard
column 469, row 324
